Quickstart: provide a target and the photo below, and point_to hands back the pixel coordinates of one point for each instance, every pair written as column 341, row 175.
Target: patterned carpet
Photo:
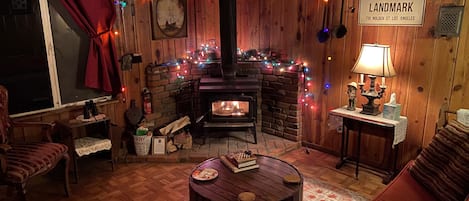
column 316, row 190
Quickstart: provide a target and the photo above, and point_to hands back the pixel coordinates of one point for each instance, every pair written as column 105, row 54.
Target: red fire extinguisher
column 146, row 95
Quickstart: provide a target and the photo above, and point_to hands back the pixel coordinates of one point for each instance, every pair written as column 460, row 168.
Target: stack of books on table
column 240, row 161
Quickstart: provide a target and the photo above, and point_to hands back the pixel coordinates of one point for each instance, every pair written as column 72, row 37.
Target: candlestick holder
column 371, row 108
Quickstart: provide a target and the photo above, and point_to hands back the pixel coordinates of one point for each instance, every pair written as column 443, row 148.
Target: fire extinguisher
column 146, row 95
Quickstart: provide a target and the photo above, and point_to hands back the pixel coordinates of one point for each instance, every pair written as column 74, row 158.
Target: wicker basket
column 142, row 144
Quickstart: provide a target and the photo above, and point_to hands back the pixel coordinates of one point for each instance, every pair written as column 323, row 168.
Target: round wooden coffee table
column 266, row 181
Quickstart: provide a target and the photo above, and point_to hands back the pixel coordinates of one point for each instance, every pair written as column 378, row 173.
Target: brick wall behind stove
column 281, row 111
column 161, row 86
column 164, row 86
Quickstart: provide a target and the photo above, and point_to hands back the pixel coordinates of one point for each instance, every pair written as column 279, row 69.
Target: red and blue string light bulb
column 122, row 4
column 308, row 96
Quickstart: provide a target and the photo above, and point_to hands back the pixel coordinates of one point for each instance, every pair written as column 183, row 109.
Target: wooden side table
column 71, row 130
column 266, row 181
column 394, row 132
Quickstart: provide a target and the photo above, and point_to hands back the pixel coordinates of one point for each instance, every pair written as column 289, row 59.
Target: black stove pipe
column 228, row 38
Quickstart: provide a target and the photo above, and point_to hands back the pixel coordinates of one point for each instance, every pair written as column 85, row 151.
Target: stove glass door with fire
column 231, row 108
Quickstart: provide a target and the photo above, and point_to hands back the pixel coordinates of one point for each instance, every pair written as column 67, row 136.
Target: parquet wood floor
column 169, row 181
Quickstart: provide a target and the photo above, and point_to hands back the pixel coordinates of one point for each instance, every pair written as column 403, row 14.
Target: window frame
column 52, row 67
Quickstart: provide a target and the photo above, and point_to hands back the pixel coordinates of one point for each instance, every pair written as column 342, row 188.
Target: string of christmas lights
column 208, row 54
column 308, row 96
column 123, row 4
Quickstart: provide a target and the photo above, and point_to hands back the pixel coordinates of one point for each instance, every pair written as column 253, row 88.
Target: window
column 43, row 57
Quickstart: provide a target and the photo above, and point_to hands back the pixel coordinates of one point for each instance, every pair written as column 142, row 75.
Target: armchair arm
column 4, row 148
column 46, row 131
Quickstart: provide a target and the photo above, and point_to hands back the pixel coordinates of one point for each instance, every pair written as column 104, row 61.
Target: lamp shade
column 375, row 60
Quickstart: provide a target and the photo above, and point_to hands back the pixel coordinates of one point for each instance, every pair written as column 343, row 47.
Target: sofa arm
column 404, row 187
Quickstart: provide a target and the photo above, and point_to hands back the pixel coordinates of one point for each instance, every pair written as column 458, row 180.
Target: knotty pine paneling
column 418, row 92
column 315, row 58
column 429, row 70
column 264, row 24
column 248, row 21
column 276, row 25
column 460, row 89
column 191, row 40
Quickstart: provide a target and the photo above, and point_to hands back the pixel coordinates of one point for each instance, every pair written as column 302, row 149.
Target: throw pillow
column 443, row 167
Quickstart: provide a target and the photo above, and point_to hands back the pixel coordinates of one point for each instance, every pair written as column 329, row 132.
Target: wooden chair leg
column 205, row 133
column 113, row 160
column 254, row 133
column 66, row 161
column 75, row 170
column 20, row 188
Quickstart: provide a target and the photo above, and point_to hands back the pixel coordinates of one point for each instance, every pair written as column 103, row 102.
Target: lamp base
column 370, row 109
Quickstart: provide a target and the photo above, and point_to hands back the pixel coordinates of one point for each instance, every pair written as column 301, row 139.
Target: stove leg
column 254, row 133
column 204, row 135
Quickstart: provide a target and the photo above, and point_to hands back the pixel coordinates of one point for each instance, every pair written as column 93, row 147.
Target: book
column 242, row 164
column 235, row 169
column 241, row 159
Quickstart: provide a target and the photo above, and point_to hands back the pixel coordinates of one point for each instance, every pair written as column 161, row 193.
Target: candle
column 383, row 81
column 361, row 78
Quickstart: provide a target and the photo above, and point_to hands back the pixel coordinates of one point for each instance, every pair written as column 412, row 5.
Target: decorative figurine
column 352, row 94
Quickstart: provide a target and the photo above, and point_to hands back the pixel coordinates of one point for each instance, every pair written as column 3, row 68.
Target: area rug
column 315, row 190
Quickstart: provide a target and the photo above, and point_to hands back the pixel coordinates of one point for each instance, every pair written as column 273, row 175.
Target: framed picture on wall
column 391, row 13
column 169, row 19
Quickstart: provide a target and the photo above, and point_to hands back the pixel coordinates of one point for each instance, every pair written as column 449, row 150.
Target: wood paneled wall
column 429, row 70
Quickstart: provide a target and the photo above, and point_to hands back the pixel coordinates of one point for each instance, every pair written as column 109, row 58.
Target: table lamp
column 374, row 60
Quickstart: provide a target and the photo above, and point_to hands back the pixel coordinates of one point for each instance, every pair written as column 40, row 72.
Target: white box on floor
column 158, row 145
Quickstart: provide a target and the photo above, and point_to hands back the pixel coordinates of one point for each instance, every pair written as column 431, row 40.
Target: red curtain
column 96, row 18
